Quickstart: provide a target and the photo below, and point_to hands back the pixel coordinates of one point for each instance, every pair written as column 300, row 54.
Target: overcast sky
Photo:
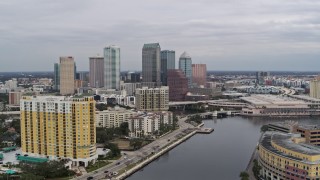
column 224, row 34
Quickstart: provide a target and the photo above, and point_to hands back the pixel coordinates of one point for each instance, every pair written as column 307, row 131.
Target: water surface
column 221, row 155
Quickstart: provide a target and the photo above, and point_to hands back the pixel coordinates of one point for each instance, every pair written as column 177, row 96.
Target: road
column 287, row 91
column 136, row 156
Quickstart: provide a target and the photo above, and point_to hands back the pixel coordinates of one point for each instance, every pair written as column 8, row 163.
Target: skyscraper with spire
column 185, row 65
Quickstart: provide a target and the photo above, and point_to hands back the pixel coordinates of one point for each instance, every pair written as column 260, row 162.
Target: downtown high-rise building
column 59, row 127
column 67, row 71
column 168, row 61
column 151, row 63
column 185, row 65
column 315, row 88
column 112, row 67
column 199, row 74
column 178, row 85
column 56, row 76
column 96, row 71
column 261, row 77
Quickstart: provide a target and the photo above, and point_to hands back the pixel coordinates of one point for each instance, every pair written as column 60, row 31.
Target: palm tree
column 244, row 175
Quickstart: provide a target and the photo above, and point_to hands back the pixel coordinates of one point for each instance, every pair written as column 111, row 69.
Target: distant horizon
column 176, row 68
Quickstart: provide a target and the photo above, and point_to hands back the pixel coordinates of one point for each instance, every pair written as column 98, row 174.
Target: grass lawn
column 97, row 165
column 122, row 143
column 114, row 158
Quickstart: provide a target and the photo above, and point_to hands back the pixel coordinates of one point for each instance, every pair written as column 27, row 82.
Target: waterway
column 221, row 155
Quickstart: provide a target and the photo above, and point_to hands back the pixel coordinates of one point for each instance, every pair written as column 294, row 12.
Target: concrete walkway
column 250, row 165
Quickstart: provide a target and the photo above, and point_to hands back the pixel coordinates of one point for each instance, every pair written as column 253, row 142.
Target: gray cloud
column 225, row 34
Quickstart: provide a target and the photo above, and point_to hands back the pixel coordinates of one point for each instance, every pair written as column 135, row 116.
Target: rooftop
column 285, row 124
column 273, row 100
column 185, row 55
column 151, row 45
column 55, row 98
column 31, row 159
column 306, row 98
column 310, row 127
column 285, row 140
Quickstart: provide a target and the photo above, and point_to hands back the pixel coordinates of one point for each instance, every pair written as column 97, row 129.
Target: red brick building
column 178, row 85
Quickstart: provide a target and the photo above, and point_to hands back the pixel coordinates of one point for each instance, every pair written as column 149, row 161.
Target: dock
column 205, row 130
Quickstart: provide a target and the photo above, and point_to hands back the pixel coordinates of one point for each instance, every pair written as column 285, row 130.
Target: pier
column 205, row 130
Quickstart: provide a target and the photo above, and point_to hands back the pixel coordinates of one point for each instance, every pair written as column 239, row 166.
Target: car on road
column 106, row 171
column 118, row 163
column 115, row 173
column 90, row 177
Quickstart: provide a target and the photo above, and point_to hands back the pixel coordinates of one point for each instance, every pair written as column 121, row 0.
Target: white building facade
column 113, row 118
column 149, row 124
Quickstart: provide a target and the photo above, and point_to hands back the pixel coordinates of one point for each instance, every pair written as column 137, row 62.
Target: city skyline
column 225, row 35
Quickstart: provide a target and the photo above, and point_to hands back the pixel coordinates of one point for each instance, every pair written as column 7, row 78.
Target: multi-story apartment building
column 287, row 156
column 151, row 64
column 59, row 127
column 113, row 117
column 14, row 98
column 311, row 133
column 152, row 99
column 168, row 61
column 315, row 88
column 11, row 84
column 185, row 64
column 149, row 124
column 199, row 74
column 67, row 69
column 112, row 67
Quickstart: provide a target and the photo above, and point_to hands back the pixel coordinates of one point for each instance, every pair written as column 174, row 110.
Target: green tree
column 115, row 151
column 124, row 128
column 244, row 175
column 3, row 117
column 136, row 143
column 103, row 135
column 264, row 128
column 102, row 107
column 175, row 122
column 256, row 168
column 51, row 169
column 16, row 125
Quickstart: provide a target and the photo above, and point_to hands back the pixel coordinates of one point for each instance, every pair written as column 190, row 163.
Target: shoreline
column 157, row 155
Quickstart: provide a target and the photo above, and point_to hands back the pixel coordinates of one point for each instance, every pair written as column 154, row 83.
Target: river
column 221, row 155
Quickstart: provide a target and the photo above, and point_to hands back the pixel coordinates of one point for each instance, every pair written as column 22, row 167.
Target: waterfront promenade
column 139, row 156
column 250, row 164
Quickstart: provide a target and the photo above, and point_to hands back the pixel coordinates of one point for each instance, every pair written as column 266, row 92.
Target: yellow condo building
column 285, row 156
column 59, row 127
